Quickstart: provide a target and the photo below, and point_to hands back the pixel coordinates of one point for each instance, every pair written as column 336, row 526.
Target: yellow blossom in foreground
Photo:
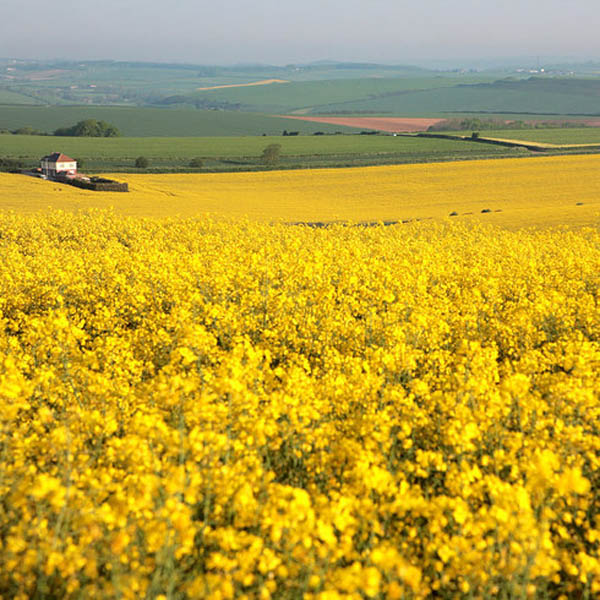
column 203, row 409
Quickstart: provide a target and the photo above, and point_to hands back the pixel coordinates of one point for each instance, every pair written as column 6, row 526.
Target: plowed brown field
column 391, row 124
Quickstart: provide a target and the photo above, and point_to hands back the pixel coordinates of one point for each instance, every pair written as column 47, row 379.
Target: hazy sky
column 280, row 31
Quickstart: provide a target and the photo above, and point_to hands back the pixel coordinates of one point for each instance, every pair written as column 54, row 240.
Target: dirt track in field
column 390, row 124
column 234, row 85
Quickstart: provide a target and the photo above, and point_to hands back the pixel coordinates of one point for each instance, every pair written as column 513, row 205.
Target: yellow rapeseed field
column 197, row 408
column 536, row 191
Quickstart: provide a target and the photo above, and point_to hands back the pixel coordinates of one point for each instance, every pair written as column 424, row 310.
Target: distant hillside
column 549, row 85
column 297, row 96
column 539, row 95
column 222, row 96
column 107, row 82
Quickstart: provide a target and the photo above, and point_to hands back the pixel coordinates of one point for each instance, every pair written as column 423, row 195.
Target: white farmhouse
column 56, row 163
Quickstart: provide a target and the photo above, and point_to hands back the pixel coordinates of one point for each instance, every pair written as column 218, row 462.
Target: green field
column 586, row 135
column 230, row 153
column 536, row 95
column 153, row 122
column 8, row 97
column 318, row 95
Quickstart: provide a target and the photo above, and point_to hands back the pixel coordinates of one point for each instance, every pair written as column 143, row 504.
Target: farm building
column 56, row 163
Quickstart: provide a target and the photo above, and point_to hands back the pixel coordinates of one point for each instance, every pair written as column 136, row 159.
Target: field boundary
column 533, row 146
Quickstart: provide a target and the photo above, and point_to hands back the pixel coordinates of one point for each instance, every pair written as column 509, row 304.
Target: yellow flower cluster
column 201, row 409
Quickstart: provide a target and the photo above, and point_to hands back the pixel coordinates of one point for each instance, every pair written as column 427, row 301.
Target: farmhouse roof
column 56, row 157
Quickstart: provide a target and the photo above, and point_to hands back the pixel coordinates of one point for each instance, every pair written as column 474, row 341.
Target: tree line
column 477, row 124
column 85, row 128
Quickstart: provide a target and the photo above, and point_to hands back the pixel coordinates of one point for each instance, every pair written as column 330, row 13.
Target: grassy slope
column 519, row 97
column 8, row 97
column 141, row 122
column 536, row 191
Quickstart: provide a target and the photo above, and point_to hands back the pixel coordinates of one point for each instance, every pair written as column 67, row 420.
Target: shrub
column 271, row 154
column 196, row 163
column 8, row 164
column 141, row 162
column 27, row 130
column 89, row 128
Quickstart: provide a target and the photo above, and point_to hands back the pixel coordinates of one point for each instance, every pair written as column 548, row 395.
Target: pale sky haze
column 281, row 32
